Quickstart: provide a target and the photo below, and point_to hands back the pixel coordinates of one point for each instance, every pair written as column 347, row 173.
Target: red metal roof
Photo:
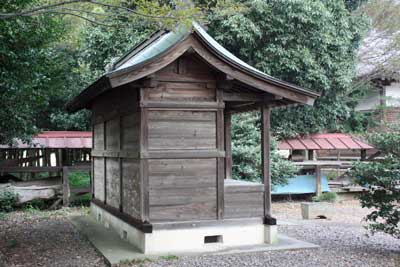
column 58, row 139
column 324, row 141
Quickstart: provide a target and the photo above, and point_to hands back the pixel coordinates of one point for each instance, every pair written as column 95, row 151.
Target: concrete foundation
column 190, row 239
column 317, row 210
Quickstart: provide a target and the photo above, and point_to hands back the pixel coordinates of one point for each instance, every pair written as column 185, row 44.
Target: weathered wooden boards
column 181, row 129
column 182, row 142
column 243, row 199
column 116, row 121
column 182, row 189
column 159, row 150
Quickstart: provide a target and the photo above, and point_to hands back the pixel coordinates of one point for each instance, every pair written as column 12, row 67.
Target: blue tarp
column 301, row 184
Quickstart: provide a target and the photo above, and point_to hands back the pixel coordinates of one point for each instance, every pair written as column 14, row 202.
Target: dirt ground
column 34, row 238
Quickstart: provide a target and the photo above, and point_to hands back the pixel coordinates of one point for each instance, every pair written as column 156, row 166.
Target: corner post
column 228, row 145
column 265, row 162
column 220, row 160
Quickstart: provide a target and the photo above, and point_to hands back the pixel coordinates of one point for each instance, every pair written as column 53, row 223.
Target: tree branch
column 38, row 10
column 131, row 10
column 73, row 14
column 34, row 10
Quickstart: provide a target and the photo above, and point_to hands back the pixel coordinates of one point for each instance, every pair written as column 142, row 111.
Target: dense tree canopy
column 246, row 152
column 31, row 70
column 310, row 43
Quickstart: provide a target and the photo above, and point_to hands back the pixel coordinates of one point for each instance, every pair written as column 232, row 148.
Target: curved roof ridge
column 160, row 43
column 163, row 41
column 240, row 63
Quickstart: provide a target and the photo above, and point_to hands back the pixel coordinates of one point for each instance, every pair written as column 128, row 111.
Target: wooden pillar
column 228, row 145
column 92, row 189
column 144, row 163
column 121, row 147
column 318, row 175
column 66, row 189
column 265, row 162
column 220, row 160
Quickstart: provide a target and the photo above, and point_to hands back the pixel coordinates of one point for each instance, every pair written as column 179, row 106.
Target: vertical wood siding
column 113, row 182
column 116, row 139
column 98, row 165
column 131, row 187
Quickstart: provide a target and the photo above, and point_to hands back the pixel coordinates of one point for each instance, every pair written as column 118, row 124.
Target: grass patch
column 79, row 179
column 169, row 257
column 326, row 197
column 83, row 200
column 136, row 261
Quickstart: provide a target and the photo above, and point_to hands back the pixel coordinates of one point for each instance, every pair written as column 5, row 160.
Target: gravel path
column 49, row 239
column 343, row 242
column 44, row 239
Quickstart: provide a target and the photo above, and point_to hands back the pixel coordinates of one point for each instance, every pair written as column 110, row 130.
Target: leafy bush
column 383, row 178
column 36, row 205
column 8, row 201
column 326, row 197
column 246, row 152
column 83, row 200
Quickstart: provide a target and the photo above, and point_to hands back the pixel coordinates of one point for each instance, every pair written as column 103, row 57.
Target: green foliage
column 12, row 243
column 169, row 257
column 325, row 197
column 34, row 206
column 48, row 59
column 79, row 179
column 246, row 152
column 310, row 43
column 8, row 201
column 82, row 201
column 383, row 179
column 331, row 175
column 26, row 69
column 3, row 215
column 101, row 46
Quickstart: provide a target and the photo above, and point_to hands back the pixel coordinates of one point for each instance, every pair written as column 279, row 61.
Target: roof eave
column 311, row 96
column 82, row 100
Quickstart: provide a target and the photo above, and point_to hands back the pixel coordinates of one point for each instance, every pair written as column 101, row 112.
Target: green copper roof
column 155, row 48
column 165, row 40
column 159, row 44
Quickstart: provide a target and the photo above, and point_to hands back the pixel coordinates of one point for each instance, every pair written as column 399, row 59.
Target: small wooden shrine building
column 162, row 145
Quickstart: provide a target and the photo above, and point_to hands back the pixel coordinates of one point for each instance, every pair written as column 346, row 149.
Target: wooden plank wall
column 159, row 151
column 183, row 146
column 116, row 118
column 181, row 129
column 244, row 201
